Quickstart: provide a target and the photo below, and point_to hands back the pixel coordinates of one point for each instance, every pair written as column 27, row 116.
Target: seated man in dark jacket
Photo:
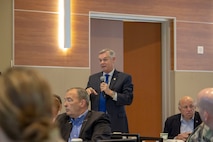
column 79, row 122
column 179, row 126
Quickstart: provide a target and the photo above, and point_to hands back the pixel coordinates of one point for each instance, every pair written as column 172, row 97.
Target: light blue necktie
column 102, row 100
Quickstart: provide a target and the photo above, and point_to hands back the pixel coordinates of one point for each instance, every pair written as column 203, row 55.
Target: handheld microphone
column 102, row 78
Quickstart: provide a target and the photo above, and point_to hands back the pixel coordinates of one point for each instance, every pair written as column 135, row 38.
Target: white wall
column 62, row 79
column 190, row 83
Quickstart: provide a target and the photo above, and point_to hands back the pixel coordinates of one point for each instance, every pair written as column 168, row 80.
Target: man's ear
column 83, row 102
column 113, row 59
column 179, row 108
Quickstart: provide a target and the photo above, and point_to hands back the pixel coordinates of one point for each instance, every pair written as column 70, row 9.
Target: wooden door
column 142, row 59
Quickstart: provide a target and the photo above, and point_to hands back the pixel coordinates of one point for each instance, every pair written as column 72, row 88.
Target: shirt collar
column 182, row 119
column 110, row 73
column 80, row 118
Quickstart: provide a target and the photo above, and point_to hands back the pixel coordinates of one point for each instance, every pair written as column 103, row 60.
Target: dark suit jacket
column 122, row 84
column 172, row 124
column 96, row 126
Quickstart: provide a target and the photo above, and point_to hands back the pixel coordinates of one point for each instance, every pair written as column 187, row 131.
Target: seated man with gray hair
column 181, row 125
column 79, row 121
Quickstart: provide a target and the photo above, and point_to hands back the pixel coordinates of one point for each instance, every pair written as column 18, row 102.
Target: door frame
column 168, row 97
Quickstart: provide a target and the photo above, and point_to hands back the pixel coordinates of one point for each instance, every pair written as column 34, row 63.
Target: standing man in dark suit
column 116, row 89
column 181, row 125
column 79, row 122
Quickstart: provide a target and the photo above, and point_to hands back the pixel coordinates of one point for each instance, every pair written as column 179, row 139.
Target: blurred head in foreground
column 25, row 107
column 205, row 106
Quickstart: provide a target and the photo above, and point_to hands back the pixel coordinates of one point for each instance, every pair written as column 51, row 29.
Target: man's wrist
column 112, row 94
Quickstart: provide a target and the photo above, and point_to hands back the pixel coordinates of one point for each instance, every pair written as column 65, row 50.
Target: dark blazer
column 122, row 84
column 96, row 126
column 172, row 124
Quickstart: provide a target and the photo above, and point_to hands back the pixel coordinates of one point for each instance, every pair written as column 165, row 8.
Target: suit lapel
column 67, row 129
column 179, row 123
column 84, row 123
column 196, row 120
column 113, row 79
column 99, row 80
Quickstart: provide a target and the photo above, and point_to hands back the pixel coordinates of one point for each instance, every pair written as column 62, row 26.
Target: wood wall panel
column 35, row 36
column 187, row 13
column 40, row 5
column 36, row 41
column 189, row 36
column 196, row 10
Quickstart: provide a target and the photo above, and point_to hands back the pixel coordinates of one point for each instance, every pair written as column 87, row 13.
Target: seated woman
column 26, row 107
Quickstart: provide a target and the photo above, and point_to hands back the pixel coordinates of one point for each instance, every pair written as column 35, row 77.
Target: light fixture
column 64, row 30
